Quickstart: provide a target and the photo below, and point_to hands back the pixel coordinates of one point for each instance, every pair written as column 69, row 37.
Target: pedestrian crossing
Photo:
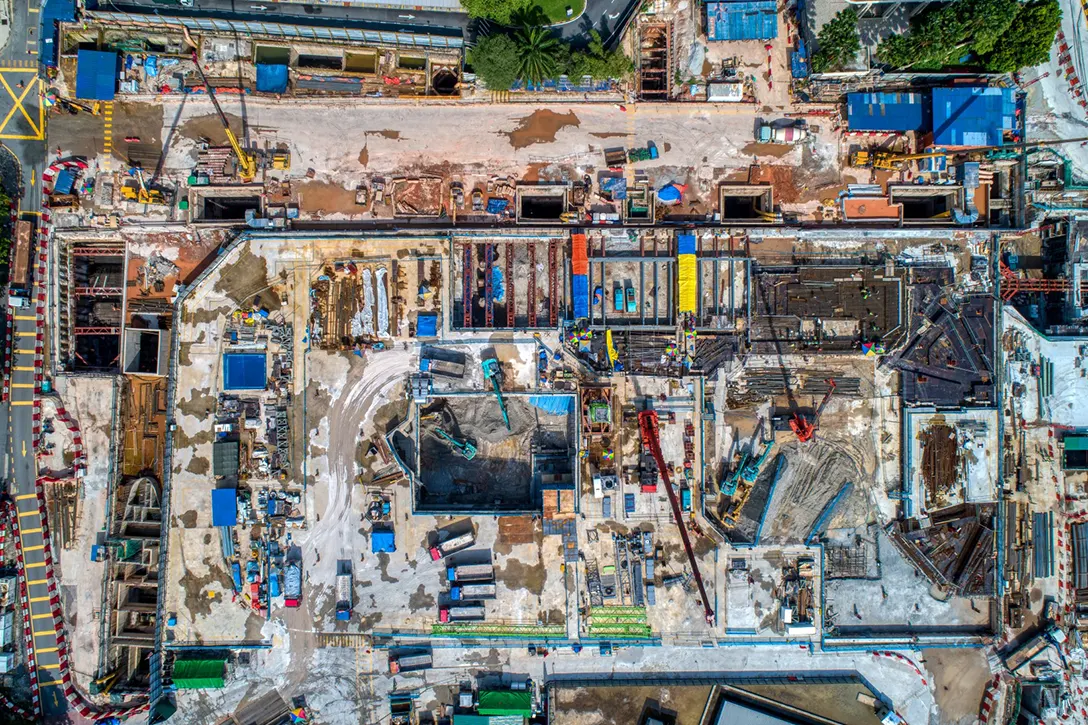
column 107, row 134
column 500, row 96
column 342, row 639
column 19, row 65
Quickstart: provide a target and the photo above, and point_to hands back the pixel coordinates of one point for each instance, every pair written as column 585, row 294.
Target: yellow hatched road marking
column 35, row 600
column 47, row 615
column 37, row 582
column 25, row 496
column 39, row 547
column 44, row 651
column 34, row 565
column 32, row 512
column 24, row 532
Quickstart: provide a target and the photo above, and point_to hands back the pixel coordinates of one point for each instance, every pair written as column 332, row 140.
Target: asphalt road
column 608, row 17
column 22, row 131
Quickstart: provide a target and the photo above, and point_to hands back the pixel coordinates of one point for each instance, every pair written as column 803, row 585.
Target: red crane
column 648, row 426
column 804, row 428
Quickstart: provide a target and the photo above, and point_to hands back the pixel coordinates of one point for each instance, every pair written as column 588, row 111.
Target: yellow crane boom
column 247, row 162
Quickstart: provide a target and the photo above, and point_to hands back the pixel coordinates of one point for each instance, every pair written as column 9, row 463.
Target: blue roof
column 244, row 371
column 742, row 20
column 579, row 285
column 427, row 325
column 888, row 112
column 382, row 541
column 972, row 116
column 271, row 78
column 96, row 74
column 224, row 506
column 53, row 11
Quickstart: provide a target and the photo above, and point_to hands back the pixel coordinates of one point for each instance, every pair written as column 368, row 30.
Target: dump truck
column 461, row 613
column 470, row 573
column 781, row 134
column 292, row 585
column 463, row 592
column 444, row 368
column 409, row 662
column 449, row 546
column 344, row 590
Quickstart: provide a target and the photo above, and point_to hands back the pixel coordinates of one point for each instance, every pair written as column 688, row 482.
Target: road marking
column 23, row 368
column 32, row 10
column 24, row 532
column 22, row 385
column 25, row 496
column 47, row 615
column 22, row 402
column 36, row 582
column 34, row 566
column 38, row 128
column 50, row 667
column 23, row 351
column 32, row 512
column 39, row 547
column 35, row 600
column 31, row 318
column 45, row 651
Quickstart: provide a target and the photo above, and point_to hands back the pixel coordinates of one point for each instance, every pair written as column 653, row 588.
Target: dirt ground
column 627, row 705
column 960, row 677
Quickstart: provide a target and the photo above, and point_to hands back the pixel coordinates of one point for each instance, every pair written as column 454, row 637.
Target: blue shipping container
column 606, row 507
column 629, row 502
column 685, row 499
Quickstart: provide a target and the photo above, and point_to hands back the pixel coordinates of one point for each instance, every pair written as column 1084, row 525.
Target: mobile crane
column 247, row 162
column 648, row 428
column 802, row 426
column 141, row 194
column 889, row 161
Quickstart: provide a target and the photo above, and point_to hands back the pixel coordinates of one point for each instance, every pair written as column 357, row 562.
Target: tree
column 501, row 11
column 495, row 58
column 540, row 54
column 951, row 35
column 1029, row 38
column 598, row 63
column 838, row 42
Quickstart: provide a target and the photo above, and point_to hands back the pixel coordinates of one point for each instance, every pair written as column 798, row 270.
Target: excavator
column 493, row 372
column 464, row 447
column 890, row 161
column 141, row 193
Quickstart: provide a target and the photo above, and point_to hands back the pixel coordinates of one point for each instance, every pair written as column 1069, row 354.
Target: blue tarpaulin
column 382, row 541
column 972, row 116
column 427, row 325
column 580, row 288
column 271, row 78
column 244, row 371
column 742, row 20
column 685, row 244
column 224, row 506
column 888, row 112
column 96, row 75
column 497, row 206
column 52, row 13
column 799, row 57
column 554, row 404
column 498, row 289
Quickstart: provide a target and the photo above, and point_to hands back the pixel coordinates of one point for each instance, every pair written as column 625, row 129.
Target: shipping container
column 450, row 546
column 472, row 591
column 685, row 498
column 470, row 572
column 629, row 503
column 651, row 594
column 606, row 507
column 649, row 570
column 461, row 613
column 409, row 662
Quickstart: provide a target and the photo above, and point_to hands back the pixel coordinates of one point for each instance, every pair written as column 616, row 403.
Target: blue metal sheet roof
column 742, row 20
column 888, row 112
column 224, row 506
column 244, row 371
column 96, row 74
column 972, row 116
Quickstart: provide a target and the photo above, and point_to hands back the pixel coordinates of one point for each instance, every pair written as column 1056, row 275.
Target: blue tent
column 271, row 78
column 888, row 112
column 96, row 74
column 382, row 541
column 972, row 115
column 427, row 324
column 224, row 506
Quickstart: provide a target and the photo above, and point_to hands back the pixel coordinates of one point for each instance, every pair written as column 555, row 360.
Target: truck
column 449, row 546
column 19, row 280
column 462, row 592
column 409, row 661
column 470, row 573
column 444, row 368
column 781, row 134
column 292, row 584
column 344, row 590
column 461, row 613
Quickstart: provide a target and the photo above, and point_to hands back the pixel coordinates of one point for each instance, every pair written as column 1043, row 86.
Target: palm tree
column 538, row 54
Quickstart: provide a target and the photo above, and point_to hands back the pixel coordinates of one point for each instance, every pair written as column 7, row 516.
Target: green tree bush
column 599, row 63
column 495, row 59
column 1029, row 38
column 838, row 42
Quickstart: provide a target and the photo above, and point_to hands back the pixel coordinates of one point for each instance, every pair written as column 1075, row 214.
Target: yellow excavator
column 140, row 193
